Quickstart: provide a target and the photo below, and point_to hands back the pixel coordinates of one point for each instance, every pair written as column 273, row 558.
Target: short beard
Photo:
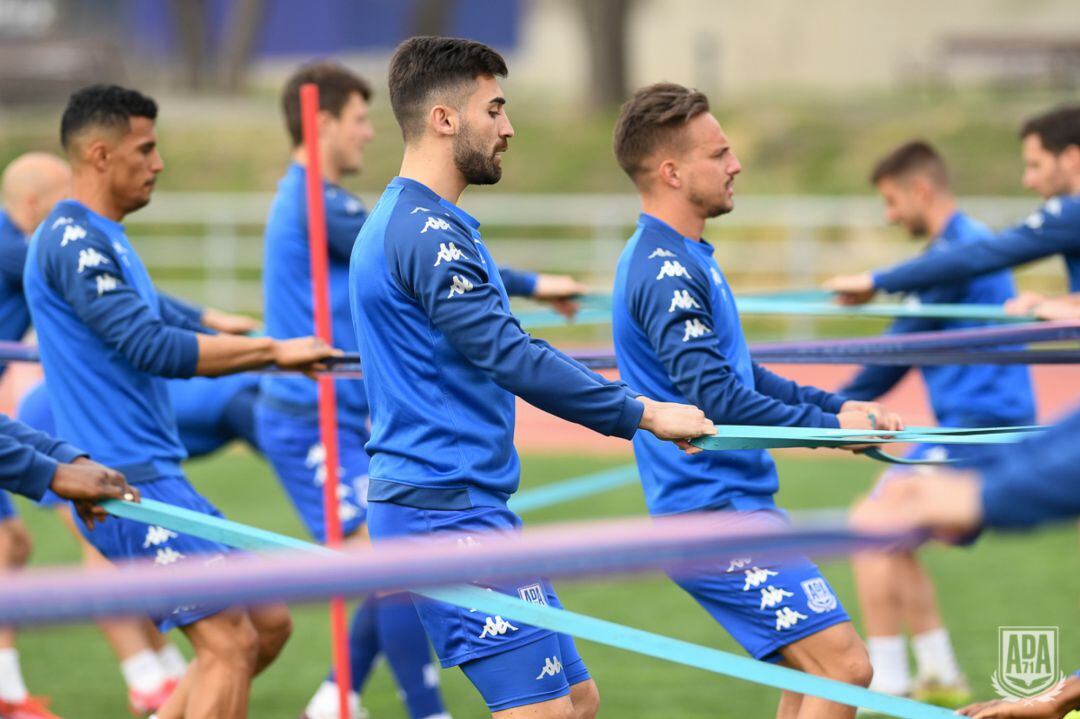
column 473, row 162
column 710, row 208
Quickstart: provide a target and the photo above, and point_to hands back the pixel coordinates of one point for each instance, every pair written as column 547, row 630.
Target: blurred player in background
column 895, row 590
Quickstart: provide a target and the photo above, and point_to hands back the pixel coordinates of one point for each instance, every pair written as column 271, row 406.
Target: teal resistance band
column 570, row 489
column 598, row 312
column 731, row 436
column 597, row 630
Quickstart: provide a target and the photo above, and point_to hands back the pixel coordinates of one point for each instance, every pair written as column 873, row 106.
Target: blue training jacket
column 1054, row 229
column 287, row 288
column 443, row 358
column 28, row 458
column 14, row 314
column 678, row 338
column 961, row 395
column 107, row 341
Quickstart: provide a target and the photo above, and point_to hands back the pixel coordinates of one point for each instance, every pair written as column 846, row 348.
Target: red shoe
column 28, row 708
column 145, row 703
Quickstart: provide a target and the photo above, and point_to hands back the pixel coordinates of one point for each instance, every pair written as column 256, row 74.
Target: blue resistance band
column 568, row 490
column 597, row 630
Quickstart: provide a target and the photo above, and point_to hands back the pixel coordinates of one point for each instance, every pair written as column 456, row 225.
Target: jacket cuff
column 38, row 477
column 629, row 418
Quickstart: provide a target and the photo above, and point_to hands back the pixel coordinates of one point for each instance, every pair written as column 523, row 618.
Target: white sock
column 12, row 686
column 172, row 661
column 325, row 702
column 935, row 658
column 143, row 672
column 888, row 656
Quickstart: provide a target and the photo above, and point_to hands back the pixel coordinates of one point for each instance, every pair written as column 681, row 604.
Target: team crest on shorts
column 533, row 594
column 1028, row 665
column 818, row 595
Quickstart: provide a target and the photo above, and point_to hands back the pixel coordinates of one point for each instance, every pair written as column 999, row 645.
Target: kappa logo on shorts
column 772, row 596
column 156, row 536
column 738, row 563
column 167, row 555
column 533, row 594
column 496, row 626
column 755, row 577
column 786, row 618
column 552, row 666
column 818, row 595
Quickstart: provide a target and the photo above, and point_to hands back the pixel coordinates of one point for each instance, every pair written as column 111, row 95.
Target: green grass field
column 1003, row 580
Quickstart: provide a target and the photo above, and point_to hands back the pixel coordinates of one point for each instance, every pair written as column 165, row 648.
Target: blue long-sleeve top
column 14, row 314
column 1033, row 481
column 1054, row 229
column 28, row 458
column 678, row 338
column 287, row 288
column 443, row 358
column 961, row 395
column 107, row 342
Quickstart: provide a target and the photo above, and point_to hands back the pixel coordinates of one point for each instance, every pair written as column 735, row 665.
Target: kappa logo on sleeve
column 419, row 209
column 459, row 286
column 682, row 300
column 91, row 258
column 672, row 268
column 448, row 252
column 661, row 252
column 693, row 329
column 106, row 283
column 72, row 233
column 60, row 222
column 435, row 223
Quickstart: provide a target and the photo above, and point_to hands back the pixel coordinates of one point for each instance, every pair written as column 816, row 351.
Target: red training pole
column 328, row 429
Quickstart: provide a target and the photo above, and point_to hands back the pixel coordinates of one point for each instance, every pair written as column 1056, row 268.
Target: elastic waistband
column 149, row 471
column 443, row 498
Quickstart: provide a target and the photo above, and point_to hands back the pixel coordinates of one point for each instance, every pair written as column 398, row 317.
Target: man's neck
column 682, row 216
column 327, row 169
column 92, row 194
column 436, row 172
column 939, row 214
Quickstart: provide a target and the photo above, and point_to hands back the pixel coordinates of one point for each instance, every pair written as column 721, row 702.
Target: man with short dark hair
column 107, row 341
column 895, row 590
column 286, row 414
column 678, row 337
column 1051, row 150
column 443, row 358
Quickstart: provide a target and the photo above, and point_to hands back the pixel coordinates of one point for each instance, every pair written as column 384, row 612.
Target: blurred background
column 810, row 93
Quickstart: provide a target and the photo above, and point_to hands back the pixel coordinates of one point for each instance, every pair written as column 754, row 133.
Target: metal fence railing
column 208, row 246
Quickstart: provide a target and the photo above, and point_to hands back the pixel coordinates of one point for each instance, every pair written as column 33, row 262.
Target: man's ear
column 96, row 154
column 668, row 172
column 444, row 120
column 1070, row 159
column 326, row 120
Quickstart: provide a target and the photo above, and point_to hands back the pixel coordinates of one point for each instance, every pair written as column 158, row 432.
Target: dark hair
column 1056, row 129
column 336, row 85
column 914, row 157
column 651, row 119
column 422, row 66
column 103, row 105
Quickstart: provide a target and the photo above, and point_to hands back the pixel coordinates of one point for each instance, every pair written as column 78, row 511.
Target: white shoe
column 324, row 705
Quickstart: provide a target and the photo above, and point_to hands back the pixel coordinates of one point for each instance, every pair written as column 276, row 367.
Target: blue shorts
column 511, row 664
column 294, row 449
column 124, row 540
column 7, row 507
column 766, row 604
